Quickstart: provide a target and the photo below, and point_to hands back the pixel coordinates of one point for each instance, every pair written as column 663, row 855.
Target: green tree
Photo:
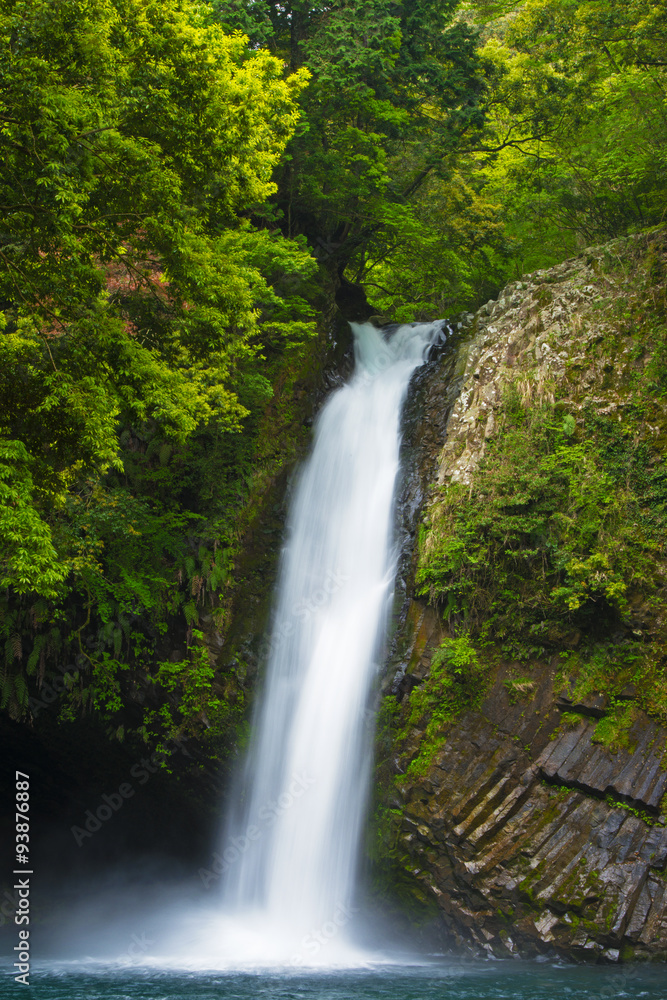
column 395, row 88
column 136, row 296
column 577, row 121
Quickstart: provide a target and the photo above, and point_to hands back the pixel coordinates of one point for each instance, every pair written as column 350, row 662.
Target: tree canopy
column 578, row 113
column 135, row 291
column 394, row 89
column 179, row 182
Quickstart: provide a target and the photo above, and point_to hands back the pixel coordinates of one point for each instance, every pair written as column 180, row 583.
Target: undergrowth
column 454, row 682
column 557, row 547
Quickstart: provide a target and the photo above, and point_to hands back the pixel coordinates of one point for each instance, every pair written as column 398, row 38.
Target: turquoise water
column 441, row 981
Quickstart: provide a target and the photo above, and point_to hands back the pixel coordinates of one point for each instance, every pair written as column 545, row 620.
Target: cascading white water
column 291, row 857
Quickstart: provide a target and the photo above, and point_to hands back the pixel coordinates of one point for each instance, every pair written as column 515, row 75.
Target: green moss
column 627, row 952
column 519, row 689
column 568, row 720
column 527, row 886
column 456, row 681
column 613, row 730
column 551, row 812
column 393, row 870
column 646, row 817
column 396, row 883
column 560, row 539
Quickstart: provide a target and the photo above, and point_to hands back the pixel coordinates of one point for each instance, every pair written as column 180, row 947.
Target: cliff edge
column 522, row 760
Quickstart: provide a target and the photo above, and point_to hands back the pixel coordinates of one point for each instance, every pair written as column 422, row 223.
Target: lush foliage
column 168, row 187
column 578, row 117
column 374, row 176
column 570, row 152
column 143, row 318
column 549, row 513
column 558, row 545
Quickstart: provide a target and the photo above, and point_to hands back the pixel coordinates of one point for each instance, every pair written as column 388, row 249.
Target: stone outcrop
column 522, row 834
column 636, row 777
column 529, row 835
column 548, row 326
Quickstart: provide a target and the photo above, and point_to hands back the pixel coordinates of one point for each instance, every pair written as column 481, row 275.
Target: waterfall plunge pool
column 438, row 979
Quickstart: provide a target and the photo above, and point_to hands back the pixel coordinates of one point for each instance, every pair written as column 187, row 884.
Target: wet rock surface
column 432, row 394
column 637, row 777
column 515, row 833
column 530, row 836
column 547, row 325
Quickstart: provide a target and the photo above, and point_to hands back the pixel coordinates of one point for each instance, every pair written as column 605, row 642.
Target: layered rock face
column 532, row 832
column 515, row 832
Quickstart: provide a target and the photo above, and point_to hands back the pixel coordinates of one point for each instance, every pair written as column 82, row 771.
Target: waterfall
column 291, row 855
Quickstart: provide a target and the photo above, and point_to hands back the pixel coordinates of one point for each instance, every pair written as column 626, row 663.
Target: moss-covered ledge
column 542, row 625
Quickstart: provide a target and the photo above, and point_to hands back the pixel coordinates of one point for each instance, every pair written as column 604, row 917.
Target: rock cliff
column 523, row 729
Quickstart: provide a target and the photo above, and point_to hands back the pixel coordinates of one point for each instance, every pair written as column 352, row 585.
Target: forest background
column 182, row 187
